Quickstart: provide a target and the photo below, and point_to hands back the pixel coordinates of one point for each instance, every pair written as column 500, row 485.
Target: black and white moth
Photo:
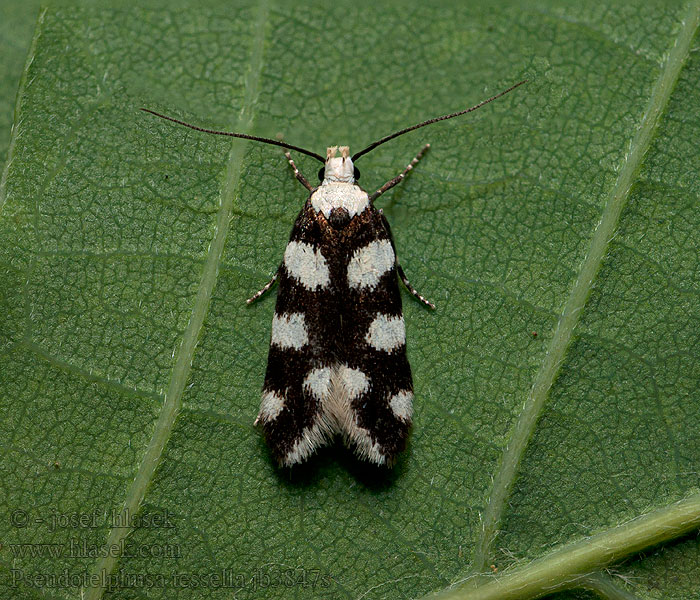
column 337, row 360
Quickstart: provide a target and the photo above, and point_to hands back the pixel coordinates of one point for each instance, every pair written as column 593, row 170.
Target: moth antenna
column 245, row 136
column 373, row 145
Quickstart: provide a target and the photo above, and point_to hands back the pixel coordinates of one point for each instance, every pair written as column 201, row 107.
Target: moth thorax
column 338, row 169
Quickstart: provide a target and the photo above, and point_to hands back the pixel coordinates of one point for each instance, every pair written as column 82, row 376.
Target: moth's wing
column 372, row 386
column 299, row 367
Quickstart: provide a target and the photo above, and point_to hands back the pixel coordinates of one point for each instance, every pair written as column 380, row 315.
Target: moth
column 337, row 360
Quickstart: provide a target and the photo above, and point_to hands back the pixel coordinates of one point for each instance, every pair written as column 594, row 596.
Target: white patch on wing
column 354, row 381
column 289, row 331
column 270, row 407
column 402, row 405
column 369, row 263
column 339, row 195
column 365, row 448
column 346, row 385
column 307, row 265
column 334, row 388
column 311, row 438
column 386, row 333
column 318, row 382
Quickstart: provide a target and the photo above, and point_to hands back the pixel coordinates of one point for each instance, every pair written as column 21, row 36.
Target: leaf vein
column 522, row 430
column 185, row 353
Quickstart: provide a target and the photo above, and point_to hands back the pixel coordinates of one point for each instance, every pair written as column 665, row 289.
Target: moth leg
column 399, row 178
column 298, row 174
column 399, row 268
column 261, row 291
column 410, row 288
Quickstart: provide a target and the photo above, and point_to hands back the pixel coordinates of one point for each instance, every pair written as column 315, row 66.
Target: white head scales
column 338, row 169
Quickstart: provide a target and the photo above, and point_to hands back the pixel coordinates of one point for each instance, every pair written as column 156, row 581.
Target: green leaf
column 556, row 230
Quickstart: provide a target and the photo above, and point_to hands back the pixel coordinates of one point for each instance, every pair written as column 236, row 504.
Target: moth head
column 338, row 169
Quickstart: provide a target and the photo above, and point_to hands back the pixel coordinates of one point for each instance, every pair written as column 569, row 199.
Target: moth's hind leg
column 410, row 288
column 262, row 290
column 399, row 268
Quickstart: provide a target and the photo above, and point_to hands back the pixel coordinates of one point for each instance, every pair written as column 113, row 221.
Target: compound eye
column 321, row 174
column 356, row 174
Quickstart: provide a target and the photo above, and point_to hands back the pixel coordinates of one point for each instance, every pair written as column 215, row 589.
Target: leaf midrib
column 525, row 425
column 569, row 566
column 185, row 353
